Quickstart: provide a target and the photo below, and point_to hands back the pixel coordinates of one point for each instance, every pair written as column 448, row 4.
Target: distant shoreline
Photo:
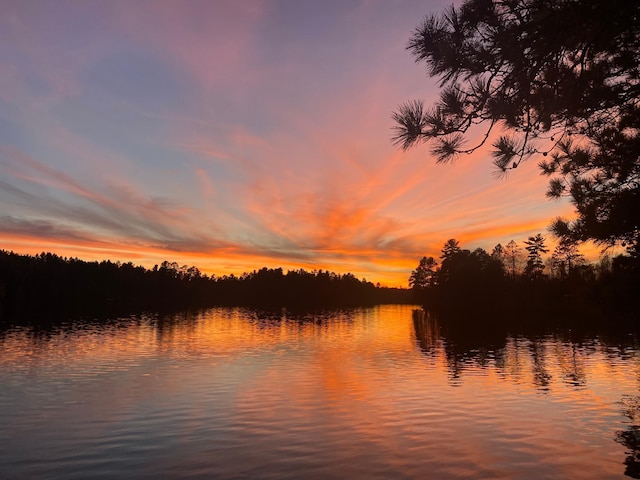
column 50, row 285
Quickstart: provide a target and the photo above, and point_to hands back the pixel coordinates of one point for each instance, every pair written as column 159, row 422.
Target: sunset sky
column 233, row 135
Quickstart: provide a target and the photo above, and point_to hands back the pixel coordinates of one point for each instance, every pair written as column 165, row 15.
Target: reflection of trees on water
column 512, row 365
column 538, row 358
column 427, row 332
column 630, row 437
column 541, row 376
column 462, row 347
column 571, row 364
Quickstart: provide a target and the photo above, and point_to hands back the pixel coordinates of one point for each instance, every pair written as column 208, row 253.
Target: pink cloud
column 283, row 163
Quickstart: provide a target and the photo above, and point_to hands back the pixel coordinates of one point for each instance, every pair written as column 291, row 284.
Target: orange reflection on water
column 352, row 392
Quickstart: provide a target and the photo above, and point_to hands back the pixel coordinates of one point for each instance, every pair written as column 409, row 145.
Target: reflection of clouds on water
column 363, row 393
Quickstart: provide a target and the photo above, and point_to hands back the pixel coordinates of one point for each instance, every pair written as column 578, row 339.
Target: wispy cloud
column 233, row 135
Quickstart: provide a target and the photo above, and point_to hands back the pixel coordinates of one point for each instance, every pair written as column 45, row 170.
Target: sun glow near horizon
column 234, row 136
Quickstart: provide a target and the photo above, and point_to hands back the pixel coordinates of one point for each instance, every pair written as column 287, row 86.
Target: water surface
column 364, row 393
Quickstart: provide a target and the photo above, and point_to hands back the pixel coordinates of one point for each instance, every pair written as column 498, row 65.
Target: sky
column 232, row 135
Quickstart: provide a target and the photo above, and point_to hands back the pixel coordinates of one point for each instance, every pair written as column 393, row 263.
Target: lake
column 381, row 392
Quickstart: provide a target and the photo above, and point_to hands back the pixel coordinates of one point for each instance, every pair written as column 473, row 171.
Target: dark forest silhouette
column 554, row 82
column 45, row 286
column 505, row 286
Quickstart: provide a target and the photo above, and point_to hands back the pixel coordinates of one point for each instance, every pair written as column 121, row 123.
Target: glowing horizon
column 234, row 136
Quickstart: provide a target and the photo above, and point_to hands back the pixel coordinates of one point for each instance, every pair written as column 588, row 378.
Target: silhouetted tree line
column 506, row 281
column 47, row 285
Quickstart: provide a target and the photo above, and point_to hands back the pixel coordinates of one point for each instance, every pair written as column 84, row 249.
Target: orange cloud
column 273, row 155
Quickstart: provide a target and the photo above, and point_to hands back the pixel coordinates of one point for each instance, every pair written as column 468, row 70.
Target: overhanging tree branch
column 562, row 78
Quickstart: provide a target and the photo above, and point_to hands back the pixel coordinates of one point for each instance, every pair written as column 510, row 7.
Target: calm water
column 368, row 393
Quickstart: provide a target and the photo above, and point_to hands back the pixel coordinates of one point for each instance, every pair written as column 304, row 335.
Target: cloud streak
column 234, row 136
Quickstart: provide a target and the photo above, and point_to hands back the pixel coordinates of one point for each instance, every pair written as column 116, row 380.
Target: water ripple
column 365, row 393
